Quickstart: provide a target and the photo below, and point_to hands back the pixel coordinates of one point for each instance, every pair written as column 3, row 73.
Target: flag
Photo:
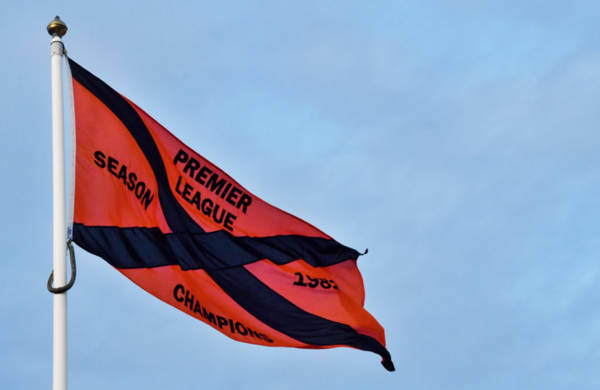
column 186, row 232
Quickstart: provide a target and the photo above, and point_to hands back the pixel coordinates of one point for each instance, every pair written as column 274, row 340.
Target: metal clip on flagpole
column 57, row 28
column 60, row 290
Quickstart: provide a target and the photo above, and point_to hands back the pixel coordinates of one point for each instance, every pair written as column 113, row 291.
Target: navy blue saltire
column 191, row 248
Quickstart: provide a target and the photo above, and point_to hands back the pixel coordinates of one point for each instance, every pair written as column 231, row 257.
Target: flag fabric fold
column 186, row 232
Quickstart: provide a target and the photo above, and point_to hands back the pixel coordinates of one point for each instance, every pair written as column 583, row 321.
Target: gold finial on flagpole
column 57, row 27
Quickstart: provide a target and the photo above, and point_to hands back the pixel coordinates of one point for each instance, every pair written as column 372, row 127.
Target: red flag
column 186, row 232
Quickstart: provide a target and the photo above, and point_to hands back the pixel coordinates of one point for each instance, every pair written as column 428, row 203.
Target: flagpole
column 57, row 29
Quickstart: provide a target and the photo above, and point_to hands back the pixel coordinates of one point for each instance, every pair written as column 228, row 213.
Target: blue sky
column 458, row 141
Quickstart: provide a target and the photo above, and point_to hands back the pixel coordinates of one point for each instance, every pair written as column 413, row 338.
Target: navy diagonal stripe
column 135, row 247
column 173, row 211
column 279, row 313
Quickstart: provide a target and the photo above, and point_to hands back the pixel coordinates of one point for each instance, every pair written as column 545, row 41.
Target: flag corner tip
column 388, row 365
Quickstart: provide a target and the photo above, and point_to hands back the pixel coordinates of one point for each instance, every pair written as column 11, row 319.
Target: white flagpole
column 57, row 29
